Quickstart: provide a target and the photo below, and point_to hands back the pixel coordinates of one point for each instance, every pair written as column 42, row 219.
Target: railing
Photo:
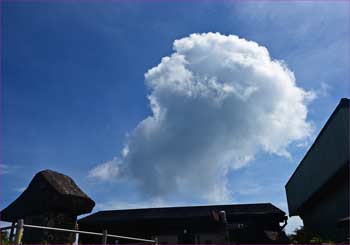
column 20, row 228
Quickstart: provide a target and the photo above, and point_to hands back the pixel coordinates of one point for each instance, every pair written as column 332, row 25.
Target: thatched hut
column 51, row 199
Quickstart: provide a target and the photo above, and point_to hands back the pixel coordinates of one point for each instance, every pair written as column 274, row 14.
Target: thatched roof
column 49, row 191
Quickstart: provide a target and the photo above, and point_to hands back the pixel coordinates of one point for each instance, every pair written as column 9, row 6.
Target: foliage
column 5, row 238
column 303, row 235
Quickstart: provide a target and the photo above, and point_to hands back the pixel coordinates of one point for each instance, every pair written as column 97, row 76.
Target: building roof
column 148, row 222
column 328, row 155
column 181, row 212
column 47, row 192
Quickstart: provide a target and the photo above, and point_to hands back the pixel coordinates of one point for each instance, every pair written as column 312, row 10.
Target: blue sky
column 73, row 84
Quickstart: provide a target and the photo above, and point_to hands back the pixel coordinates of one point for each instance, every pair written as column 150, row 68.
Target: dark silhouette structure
column 318, row 190
column 220, row 224
column 51, row 199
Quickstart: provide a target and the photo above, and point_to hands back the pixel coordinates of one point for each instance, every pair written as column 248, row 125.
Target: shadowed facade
column 318, row 190
column 220, row 224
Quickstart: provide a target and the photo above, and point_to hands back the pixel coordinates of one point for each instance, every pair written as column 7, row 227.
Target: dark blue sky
column 73, row 79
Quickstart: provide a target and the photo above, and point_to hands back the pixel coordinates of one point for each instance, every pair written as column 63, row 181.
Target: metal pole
column 76, row 234
column 87, row 232
column 104, row 237
column 19, row 232
column 12, row 231
column 156, row 240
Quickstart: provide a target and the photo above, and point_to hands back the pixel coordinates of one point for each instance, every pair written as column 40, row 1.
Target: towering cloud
column 216, row 102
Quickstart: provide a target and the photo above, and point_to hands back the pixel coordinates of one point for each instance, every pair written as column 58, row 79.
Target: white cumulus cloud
column 215, row 102
column 106, row 171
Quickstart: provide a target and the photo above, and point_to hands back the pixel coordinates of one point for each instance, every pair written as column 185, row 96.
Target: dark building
column 51, row 199
column 220, row 224
column 318, row 190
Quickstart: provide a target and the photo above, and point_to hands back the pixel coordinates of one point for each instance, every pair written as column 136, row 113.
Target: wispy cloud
column 7, row 169
column 117, row 204
column 4, row 169
column 323, row 90
column 107, row 171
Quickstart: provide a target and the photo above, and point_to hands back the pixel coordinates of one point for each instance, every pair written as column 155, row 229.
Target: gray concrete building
column 318, row 190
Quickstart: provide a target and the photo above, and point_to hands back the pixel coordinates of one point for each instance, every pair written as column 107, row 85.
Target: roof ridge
column 190, row 206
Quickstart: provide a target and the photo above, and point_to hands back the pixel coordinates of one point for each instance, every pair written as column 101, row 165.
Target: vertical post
column 76, row 234
column 19, row 232
column 156, row 240
column 12, row 231
column 104, row 237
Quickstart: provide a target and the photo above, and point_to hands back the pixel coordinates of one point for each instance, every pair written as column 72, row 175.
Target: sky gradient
column 73, row 85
